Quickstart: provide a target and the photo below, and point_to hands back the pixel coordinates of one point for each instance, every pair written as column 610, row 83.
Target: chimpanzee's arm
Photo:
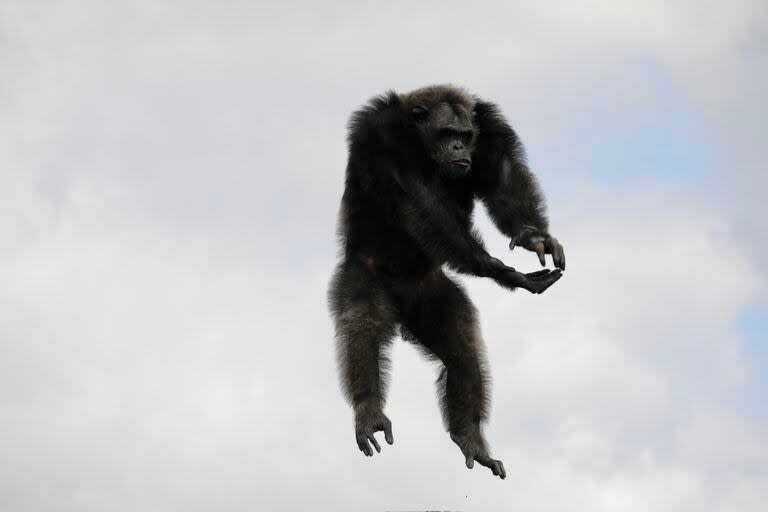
column 508, row 188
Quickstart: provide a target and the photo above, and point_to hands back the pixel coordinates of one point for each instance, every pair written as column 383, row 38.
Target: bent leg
column 365, row 324
column 445, row 323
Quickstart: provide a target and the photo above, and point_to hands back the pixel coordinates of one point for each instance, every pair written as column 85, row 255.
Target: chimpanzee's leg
column 445, row 322
column 365, row 325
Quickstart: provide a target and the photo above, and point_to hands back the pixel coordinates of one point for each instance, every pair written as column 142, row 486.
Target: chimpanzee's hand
column 368, row 421
column 534, row 282
column 541, row 243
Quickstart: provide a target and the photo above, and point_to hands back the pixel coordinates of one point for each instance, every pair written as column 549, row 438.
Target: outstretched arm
column 440, row 234
column 509, row 190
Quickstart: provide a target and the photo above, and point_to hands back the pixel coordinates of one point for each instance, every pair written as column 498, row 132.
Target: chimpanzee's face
column 449, row 134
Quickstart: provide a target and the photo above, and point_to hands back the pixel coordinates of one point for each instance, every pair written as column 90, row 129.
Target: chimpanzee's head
column 444, row 118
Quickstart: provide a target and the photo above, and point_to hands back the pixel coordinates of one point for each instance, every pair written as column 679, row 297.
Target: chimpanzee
column 417, row 162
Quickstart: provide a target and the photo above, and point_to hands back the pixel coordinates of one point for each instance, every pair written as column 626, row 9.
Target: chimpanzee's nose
column 457, row 146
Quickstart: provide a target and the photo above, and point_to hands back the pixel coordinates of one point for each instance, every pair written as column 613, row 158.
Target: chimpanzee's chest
column 457, row 200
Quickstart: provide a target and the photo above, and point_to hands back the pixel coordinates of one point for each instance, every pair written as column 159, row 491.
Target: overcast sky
column 170, row 176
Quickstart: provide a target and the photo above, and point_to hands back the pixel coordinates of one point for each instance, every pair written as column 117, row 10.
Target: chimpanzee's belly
column 397, row 260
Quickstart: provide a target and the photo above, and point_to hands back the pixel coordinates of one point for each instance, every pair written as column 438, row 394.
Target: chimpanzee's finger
column 375, row 443
column 540, row 251
column 388, row 432
column 557, row 253
column 499, row 469
column 538, row 274
column 549, row 280
column 362, row 443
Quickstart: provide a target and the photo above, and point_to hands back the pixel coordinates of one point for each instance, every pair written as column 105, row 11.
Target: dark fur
column 401, row 220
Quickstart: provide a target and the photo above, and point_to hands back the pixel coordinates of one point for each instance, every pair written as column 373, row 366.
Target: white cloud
column 160, row 231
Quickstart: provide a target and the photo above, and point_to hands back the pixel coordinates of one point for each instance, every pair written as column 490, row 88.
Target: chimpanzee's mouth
column 463, row 162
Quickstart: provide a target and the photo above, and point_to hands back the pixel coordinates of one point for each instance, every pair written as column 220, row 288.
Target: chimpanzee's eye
column 419, row 111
